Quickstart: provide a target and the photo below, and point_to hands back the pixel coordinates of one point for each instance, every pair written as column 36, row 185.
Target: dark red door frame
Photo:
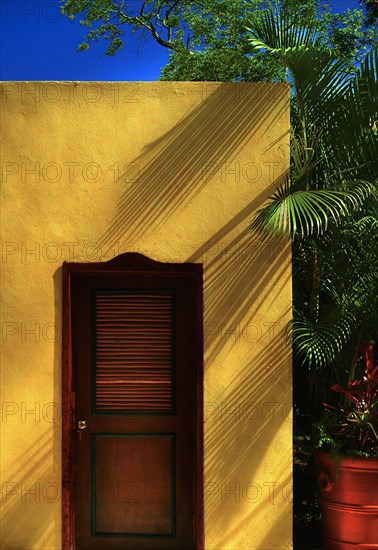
column 130, row 263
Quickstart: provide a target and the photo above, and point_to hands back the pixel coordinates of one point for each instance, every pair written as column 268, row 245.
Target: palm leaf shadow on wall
column 238, row 276
column 160, row 180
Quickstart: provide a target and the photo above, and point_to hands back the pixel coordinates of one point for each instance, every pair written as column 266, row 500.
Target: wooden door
column 132, row 405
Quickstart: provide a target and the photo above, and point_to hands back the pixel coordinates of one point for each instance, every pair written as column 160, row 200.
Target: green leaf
column 306, row 213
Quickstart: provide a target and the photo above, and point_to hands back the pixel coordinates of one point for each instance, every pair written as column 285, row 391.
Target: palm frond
column 318, row 76
column 307, row 212
column 319, row 344
column 275, row 33
column 352, row 130
column 334, row 148
column 367, row 78
column 304, row 157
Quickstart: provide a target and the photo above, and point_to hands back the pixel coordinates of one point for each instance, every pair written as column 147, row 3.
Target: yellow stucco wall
column 174, row 171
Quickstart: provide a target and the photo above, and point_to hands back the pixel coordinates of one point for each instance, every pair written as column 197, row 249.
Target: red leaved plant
column 351, row 428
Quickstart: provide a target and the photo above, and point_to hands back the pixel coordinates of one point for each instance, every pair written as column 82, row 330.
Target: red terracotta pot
column 349, row 502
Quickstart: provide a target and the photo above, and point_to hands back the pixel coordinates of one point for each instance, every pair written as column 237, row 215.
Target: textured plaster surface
column 174, row 171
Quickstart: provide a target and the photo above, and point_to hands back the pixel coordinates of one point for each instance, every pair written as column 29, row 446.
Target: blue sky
column 37, row 43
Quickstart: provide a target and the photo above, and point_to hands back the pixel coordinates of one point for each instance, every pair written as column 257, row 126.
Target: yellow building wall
column 174, row 171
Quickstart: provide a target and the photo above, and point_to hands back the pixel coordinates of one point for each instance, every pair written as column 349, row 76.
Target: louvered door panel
column 134, row 352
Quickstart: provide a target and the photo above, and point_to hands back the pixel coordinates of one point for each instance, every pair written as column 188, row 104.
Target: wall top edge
column 149, row 82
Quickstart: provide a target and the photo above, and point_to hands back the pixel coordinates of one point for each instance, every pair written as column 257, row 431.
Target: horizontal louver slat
column 133, row 365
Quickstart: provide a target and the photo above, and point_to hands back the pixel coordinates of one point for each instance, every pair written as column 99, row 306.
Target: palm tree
column 329, row 205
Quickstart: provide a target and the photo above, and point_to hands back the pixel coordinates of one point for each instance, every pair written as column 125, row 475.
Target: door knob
column 81, row 424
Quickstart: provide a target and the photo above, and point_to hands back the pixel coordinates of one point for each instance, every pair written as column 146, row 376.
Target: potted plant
column 347, row 461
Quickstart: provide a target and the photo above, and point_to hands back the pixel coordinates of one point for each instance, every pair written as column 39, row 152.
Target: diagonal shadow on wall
column 270, row 541
column 244, row 416
column 202, row 141
column 29, row 497
column 31, row 489
column 240, row 273
column 237, row 273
